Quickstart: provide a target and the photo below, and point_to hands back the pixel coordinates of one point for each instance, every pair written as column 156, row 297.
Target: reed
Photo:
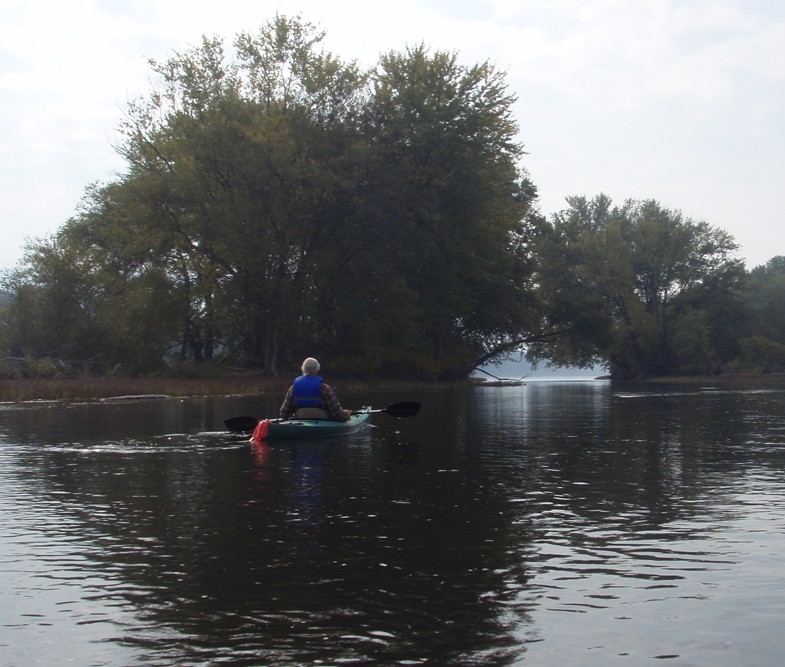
column 49, row 389
column 96, row 388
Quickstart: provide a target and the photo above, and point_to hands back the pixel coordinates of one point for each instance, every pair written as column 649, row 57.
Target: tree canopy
column 636, row 287
column 279, row 202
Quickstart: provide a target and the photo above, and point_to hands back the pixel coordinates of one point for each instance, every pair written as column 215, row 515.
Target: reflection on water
column 549, row 524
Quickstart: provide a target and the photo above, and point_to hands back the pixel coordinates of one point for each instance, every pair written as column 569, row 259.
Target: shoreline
column 20, row 390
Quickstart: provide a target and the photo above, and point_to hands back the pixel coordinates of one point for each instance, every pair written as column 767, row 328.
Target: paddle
column 246, row 424
column 399, row 410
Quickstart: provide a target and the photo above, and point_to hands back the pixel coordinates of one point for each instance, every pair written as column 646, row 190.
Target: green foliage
column 636, row 287
column 765, row 294
column 762, row 355
column 279, row 202
column 435, row 254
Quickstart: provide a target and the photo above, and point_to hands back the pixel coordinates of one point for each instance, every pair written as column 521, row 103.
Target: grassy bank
column 56, row 389
column 72, row 389
column 51, row 389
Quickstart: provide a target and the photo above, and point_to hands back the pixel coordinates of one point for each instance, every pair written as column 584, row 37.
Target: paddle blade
column 406, row 409
column 244, row 424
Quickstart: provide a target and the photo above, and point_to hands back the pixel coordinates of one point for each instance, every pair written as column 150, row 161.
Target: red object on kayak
column 260, row 432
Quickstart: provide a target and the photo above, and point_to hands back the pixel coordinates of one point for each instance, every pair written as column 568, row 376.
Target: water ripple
column 643, row 527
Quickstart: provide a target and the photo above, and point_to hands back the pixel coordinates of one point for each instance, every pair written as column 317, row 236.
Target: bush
column 762, row 355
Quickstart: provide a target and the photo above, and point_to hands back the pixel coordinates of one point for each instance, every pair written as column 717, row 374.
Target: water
column 559, row 523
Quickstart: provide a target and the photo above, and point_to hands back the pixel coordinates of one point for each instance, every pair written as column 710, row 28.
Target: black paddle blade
column 406, row 409
column 243, row 424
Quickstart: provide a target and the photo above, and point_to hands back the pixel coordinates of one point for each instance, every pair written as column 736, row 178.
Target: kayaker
column 311, row 391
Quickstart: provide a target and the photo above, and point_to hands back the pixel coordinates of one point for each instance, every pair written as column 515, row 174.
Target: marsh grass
column 72, row 389
column 55, row 389
column 96, row 388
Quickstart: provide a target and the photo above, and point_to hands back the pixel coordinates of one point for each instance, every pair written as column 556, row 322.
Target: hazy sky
column 681, row 101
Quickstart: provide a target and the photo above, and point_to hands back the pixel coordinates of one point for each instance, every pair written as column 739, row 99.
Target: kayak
column 288, row 429
column 313, row 425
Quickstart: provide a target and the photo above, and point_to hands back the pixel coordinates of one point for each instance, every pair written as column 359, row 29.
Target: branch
column 516, row 343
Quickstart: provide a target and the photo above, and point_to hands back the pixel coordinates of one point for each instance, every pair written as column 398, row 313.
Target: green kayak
column 288, row 429
column 313, row 425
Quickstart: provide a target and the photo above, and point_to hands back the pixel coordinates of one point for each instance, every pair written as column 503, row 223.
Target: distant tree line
column 647, row 293
column 279, row 203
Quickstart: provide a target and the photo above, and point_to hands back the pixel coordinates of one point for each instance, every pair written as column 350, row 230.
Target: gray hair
column 310, row 366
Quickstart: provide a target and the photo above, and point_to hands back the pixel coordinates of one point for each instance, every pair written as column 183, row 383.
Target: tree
column 443, row 211
column 279, row 202
column 636, row 287
column 763, row 341
column 240, row 164
column 766, row 295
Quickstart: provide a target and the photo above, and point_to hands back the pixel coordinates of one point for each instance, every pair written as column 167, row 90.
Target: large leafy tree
column 762, row 345
column 90, row 315
column 766, row 295
column 636, row 287
column 443, row 211
column 239, row 162
column 279, row 202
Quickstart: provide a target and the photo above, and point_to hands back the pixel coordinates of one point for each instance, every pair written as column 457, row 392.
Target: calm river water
column 558, row 523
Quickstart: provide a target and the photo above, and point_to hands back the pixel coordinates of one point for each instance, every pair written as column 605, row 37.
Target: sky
column 681, row 101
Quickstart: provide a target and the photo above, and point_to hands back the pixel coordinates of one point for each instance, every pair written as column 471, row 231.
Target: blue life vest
column 305, row 393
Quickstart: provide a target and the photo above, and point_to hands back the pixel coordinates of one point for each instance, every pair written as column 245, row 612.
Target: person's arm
column 286, row 407
column 332, row 405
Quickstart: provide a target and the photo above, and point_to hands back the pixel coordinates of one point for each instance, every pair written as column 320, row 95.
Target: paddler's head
column 310, row 366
